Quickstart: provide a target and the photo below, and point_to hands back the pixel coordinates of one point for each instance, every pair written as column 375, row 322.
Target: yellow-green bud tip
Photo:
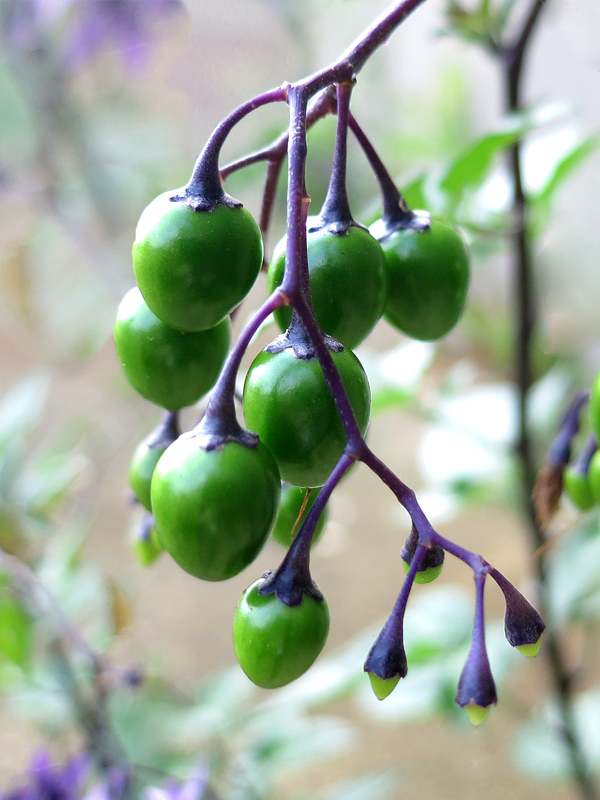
column 476, row 713
column 530, row 650
column 382, row 687
column 427, row 575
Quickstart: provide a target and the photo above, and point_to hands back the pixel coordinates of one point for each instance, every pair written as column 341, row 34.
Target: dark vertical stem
column 525, row 314
column 268, row 201
column 336, row 208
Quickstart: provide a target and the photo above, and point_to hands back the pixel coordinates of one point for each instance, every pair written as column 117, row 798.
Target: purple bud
column 387, row 657
column 523, row 626
column 432, row 561
column 476, row 687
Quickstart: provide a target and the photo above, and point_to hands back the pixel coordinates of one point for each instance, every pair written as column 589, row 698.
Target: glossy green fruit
column 595, row 407
column 578, row 488
column 288, row 403
column 428, row 279
column 146, row 455
column 214, row 509
column 276, row 643
column 167, row 367
column 292, row 500
column 348, row 282
column 194, row 267
column 594, row 475
column 141, row 470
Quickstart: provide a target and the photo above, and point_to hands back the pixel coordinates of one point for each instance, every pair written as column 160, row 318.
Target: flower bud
column 386, row 662
column 523, row 626
column 476, row 687
column 432, row 563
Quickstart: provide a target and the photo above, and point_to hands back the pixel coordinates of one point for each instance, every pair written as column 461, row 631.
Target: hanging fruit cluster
column 215, row 493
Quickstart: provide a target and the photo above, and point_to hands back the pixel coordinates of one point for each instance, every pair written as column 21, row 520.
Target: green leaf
column 561, row 171
column 16, row 627
column 414, row 193
column 470, row 169
column 47, row 482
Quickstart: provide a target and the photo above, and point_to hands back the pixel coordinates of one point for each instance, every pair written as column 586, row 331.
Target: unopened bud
column 431, row 564
column 386, row 662
column 523, row 626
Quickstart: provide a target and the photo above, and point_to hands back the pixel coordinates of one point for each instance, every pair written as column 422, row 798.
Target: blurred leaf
column 414, row 193
column 121, row 608
column 565, row 166
column 575, row 572
column 17, row 289
column 541, row 200
column 79, row 586
column 21, row 407
column 470, row 169
column 539, row 749
column 280, row 740
column 372, row 786
column 48, row 480
column 16, row 627
column 396, row 375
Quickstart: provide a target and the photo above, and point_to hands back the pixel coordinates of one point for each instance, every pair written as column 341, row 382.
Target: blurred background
column 104, row 105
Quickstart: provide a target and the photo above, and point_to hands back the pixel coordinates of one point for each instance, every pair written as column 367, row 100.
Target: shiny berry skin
column 595, row 407
column 214, row 509
column 292, row 500
column 194, row 267
column 288, row 404
column 578, row 488
column 428, row 279
column 168, row 367
column 594, row 475
column 348, row 281
column 276, row 643
column 141, row 470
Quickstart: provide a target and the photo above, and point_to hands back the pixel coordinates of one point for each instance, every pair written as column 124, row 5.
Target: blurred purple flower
column 123, row 23
column 49, row 782
column 193, row 789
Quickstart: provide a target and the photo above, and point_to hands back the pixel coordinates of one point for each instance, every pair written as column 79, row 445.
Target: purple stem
column 394, row 204
column 268, row 201
column 336, row 208
column 292, row 578
column 319, row 107
column 220, row 411
column 476, row 684
column 387, row 657
column 205, row 176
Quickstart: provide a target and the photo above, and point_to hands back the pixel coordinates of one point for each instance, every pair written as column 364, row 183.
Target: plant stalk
column 525, row 320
